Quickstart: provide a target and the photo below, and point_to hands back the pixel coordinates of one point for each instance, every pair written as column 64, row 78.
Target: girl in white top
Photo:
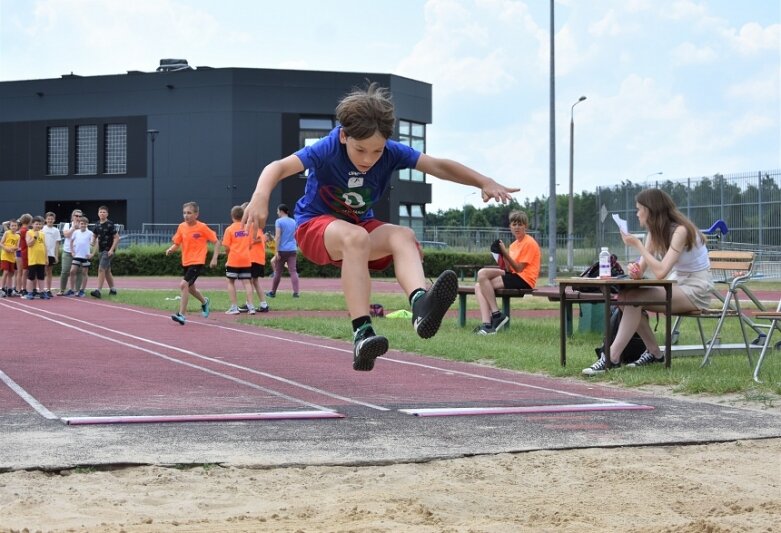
column 684, row 257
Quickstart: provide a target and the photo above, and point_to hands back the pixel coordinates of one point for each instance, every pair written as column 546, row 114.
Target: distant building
column 143, row 143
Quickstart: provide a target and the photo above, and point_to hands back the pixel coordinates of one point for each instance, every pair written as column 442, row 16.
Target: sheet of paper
column 622, row 225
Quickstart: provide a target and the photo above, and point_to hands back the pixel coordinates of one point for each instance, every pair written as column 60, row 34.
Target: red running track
column 94, row 358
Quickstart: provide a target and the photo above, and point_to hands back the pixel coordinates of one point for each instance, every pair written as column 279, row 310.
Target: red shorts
column 8, row 266
column 310, row 238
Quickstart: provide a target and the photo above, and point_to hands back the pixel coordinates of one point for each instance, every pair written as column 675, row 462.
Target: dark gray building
column 143, row 143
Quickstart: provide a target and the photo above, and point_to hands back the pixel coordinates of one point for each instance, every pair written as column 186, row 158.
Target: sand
column 733, row 486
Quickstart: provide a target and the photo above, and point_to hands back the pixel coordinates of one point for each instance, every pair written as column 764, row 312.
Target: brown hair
column 237, row 212
column 519, row 217
column 194, row 205
column 364, row 112
column 663, row 218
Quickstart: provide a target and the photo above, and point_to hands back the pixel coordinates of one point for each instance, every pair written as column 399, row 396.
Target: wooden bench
column 504, row 294
column 551, row 293
column 462, row 269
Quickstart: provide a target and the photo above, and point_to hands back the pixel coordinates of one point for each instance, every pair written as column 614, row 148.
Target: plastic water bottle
column 604, row 263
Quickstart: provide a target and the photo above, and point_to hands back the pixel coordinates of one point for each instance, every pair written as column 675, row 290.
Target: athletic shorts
column 257, row 270
column 81, row 262
column 514, row 281
column 52, row 260
column 310, row 238
column 8, row 266
column 105, row 261
column 238, row 272
column 36, row 272
column 190, row 273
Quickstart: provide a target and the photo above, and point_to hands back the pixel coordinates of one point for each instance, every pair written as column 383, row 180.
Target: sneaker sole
column 371, row 349
column 501, row 325
column 650, row 363
column 443, row 292
column 180, row 322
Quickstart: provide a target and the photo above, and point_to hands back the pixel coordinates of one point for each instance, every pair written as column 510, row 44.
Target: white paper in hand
column 621, row 223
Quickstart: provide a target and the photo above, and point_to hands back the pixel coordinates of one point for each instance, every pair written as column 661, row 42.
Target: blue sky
column 684, row 87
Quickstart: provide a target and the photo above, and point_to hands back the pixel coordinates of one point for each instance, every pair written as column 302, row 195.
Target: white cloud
column 761, row 89
column 690, row 54
column 753, row 38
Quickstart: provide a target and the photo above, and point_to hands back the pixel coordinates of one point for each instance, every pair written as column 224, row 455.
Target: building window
column 87, row 149
column 57, row 151
column 311, row 130
column 116, row 149
column 411, row 215
column 414, row 135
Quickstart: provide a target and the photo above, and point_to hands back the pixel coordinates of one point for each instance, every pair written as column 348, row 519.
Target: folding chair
column 733, row 269
column 775, row 323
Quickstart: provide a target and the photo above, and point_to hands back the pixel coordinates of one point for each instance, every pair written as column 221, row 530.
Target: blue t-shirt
column 287, row 234
column 335, row 187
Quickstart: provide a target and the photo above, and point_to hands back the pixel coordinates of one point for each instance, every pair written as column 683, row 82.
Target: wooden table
column 603, row 285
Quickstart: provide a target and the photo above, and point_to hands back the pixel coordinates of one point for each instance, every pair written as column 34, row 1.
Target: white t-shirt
column 81, row 241
column 51, row 235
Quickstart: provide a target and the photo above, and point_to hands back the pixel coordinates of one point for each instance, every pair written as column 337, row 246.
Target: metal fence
column 749, row 203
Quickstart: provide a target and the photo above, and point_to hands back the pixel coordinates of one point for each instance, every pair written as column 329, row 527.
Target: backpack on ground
column 634, row 349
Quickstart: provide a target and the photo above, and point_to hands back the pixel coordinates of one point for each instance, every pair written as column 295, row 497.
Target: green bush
column 152, row 261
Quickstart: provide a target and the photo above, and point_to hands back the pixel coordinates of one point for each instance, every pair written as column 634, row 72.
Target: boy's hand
column 255, row 216
column 498, row 192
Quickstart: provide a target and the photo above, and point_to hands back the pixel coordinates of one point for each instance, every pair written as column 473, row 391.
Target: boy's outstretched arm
column 256, row 212
column 450, row 170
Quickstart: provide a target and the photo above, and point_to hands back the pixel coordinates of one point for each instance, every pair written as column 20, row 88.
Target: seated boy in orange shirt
column 522, row 264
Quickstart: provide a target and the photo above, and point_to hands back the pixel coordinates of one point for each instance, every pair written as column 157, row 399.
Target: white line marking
column 218, row 361
column 384, row 358
column 172, row 359
column 27, row 397
column 215, row 417
column 530, row 409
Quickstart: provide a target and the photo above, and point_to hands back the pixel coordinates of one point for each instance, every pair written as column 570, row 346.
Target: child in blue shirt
column 349, row 171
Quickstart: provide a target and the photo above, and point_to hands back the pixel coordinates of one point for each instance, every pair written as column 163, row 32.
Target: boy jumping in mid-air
column 349, row 171
column 193, row 235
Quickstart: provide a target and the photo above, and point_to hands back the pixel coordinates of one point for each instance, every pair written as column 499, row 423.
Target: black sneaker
column 95, row 293
column 499, row 322
column 367, row 347
column 430, row 306
column 112, row 292
column 600, row 367
column 178, row 318
column 646, row 359
column 484, row 329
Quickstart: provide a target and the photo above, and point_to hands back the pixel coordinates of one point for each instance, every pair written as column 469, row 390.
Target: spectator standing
column 52, row 237
column 287, row 251
column 67, row 256
column 8, row 247
column 107, row 237
column 82, row 241
column 236, row 242
column 36, row 260
column 21, row 253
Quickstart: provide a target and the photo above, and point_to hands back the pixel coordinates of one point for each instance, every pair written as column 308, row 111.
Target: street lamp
column 571, row 210
column 464, row 204
column 653, row 174
column 152, row 136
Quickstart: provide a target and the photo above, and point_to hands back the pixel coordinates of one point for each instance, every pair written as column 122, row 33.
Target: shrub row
column 152, row 261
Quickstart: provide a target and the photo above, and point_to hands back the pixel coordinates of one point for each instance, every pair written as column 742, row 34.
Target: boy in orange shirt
column 236, row 242
column 192, row 236
column 257, row 257
column 522, row 264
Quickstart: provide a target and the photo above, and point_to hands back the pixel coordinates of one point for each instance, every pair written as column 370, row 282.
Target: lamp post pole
column 464, row 205
column 571, row 206
column 152, row 136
